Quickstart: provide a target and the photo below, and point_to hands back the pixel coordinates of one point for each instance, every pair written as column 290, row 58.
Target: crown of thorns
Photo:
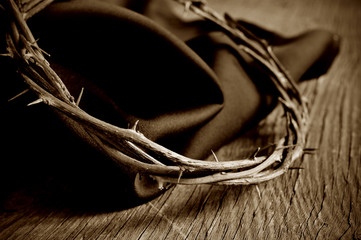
column 130, row 148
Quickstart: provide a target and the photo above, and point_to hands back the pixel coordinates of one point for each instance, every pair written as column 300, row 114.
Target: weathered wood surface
column 319, row 198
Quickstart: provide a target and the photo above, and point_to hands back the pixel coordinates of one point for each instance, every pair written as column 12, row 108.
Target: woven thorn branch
column 131, row 149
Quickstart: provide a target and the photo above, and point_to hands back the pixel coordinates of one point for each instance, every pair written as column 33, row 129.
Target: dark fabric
column 191, row 92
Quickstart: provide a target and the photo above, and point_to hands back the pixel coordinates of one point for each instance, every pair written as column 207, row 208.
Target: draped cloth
column 186, row 81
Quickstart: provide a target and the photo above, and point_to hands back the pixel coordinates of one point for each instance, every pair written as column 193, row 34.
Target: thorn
column 6, row 55
column 187, row 6
column 259, row 192
column 180, row 175
column 80, row 95
column 305, row 100
column 43, row 51
column 40, row 100
column 161, row 184
column 215, row 156
column 18, row 95
column 135, row 125
column 254, row 155
column 35, row 45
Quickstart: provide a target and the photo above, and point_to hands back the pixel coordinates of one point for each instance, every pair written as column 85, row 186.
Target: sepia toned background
column 318, row 198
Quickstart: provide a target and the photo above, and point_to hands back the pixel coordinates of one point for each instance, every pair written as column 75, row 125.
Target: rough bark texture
column 319, row 198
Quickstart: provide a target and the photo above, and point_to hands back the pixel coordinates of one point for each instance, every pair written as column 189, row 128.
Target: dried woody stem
column 131, row 149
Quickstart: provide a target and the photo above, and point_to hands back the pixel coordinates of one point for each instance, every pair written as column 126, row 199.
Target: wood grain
column 319, row 198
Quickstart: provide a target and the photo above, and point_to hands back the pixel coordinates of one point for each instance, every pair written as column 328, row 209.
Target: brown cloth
column 191, row 92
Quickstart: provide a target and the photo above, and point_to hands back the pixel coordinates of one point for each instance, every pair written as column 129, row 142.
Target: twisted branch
column 133, row 150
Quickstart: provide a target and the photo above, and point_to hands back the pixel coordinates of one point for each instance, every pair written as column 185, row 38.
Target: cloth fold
column 191, row 93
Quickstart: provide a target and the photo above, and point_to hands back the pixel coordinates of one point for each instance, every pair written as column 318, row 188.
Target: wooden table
column 319, row 198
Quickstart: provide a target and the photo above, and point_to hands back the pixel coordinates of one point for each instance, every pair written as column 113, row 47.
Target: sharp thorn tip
column 36, row 102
